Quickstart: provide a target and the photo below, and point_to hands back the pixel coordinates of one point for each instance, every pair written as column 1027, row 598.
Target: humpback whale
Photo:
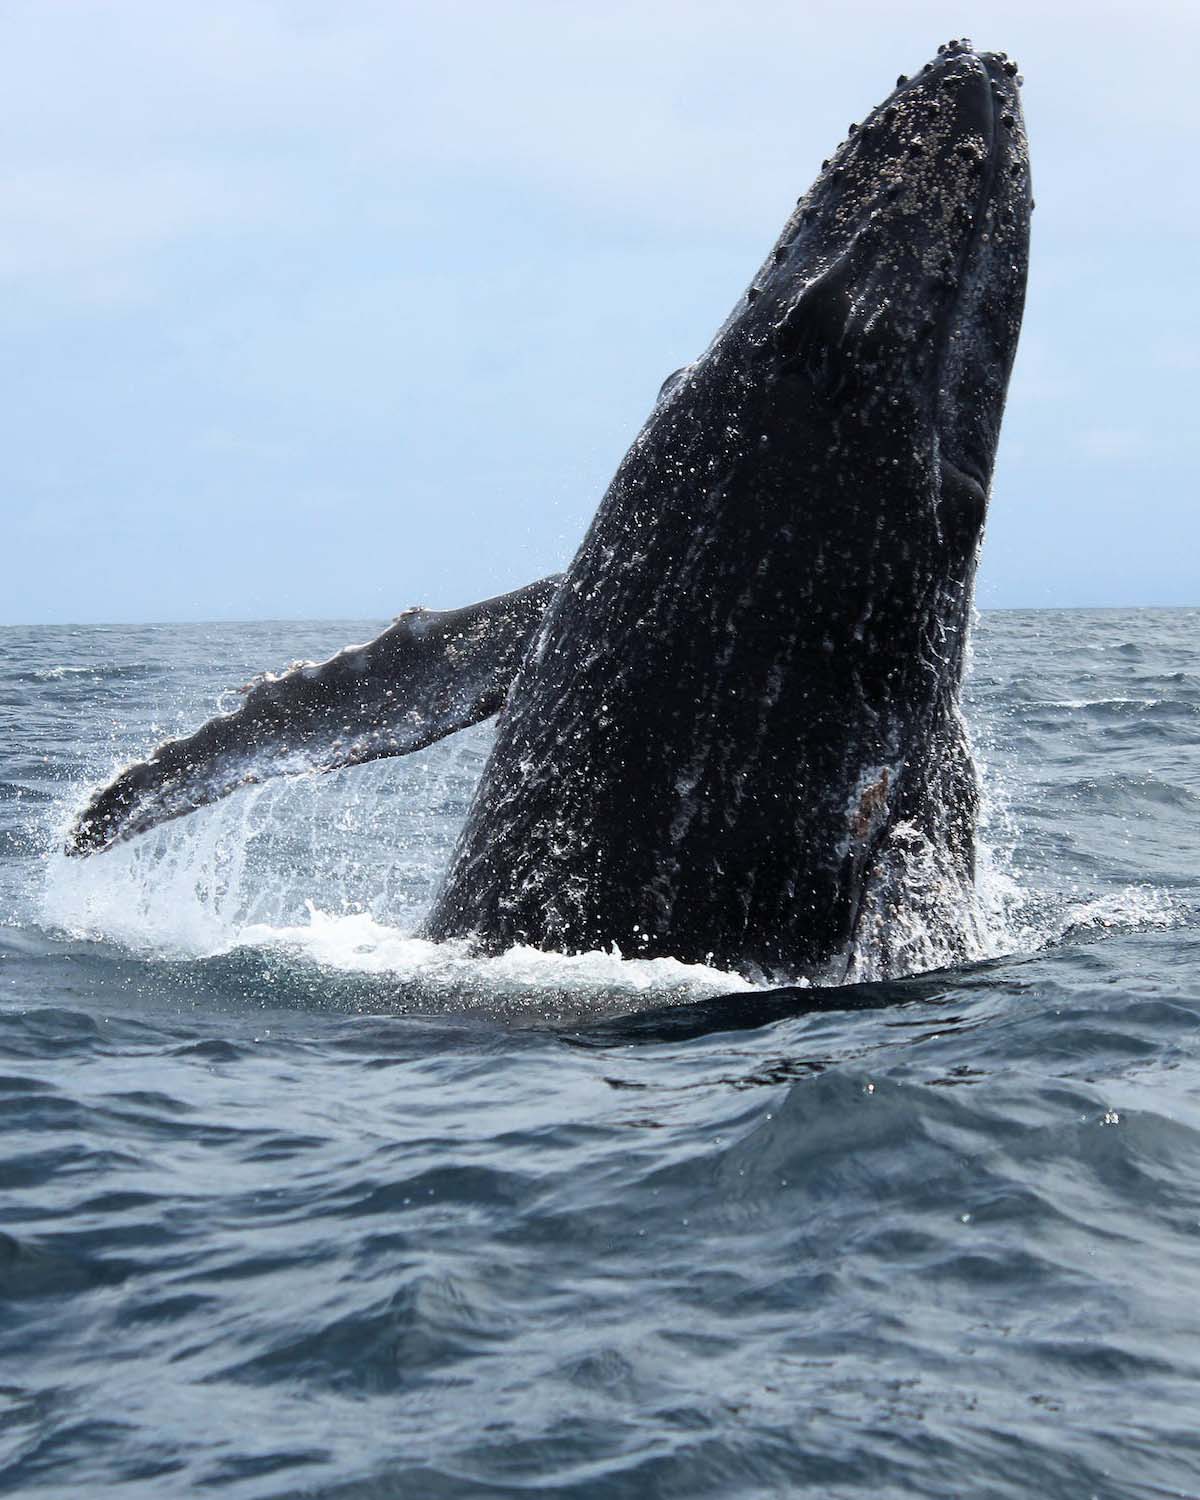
column 730, row 732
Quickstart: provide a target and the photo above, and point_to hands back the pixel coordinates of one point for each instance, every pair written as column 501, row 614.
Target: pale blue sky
column 324, row 309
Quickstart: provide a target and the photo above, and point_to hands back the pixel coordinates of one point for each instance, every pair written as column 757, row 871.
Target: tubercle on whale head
column 902, row 269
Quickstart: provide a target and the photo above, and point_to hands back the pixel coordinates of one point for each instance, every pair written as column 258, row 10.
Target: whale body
column 731, row 732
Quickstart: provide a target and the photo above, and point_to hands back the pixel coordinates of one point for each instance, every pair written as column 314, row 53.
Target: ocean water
column 295, row 1204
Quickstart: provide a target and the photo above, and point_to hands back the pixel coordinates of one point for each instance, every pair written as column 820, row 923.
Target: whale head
column 881, row 329
column 737, row 735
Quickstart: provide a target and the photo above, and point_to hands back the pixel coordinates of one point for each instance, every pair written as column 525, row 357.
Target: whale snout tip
column 960, row 57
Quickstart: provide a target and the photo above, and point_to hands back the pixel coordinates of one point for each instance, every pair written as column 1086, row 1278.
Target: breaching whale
column 730, row 733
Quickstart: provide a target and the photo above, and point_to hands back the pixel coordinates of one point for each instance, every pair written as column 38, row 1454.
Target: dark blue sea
column 293, row 1203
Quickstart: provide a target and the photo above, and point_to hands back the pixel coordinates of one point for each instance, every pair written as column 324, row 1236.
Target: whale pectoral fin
column 429, row 674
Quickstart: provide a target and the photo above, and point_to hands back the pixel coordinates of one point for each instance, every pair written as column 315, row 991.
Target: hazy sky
column 325, row 309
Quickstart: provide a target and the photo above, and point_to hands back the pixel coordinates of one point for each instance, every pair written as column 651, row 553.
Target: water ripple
column 293, row 1204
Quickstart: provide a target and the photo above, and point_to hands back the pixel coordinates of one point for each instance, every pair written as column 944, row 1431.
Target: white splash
column 358, row 943
column 337, row 872
column 334, row 872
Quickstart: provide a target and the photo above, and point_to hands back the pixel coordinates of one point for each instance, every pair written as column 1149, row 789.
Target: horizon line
column 989, row 609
